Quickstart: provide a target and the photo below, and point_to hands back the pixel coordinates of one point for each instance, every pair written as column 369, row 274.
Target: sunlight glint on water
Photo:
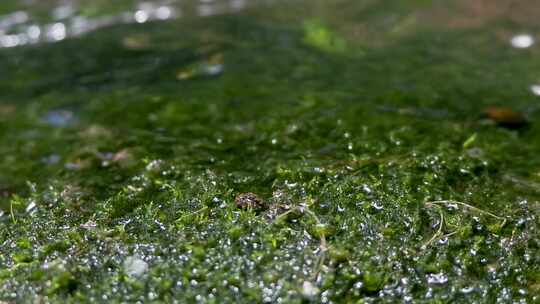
column 21, row 28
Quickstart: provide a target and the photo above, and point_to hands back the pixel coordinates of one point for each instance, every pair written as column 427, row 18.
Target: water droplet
column 309, row 290
column 318, row 170
column 33, row 32
column 535, row 89
column 366, row 189
column 522, row 41
column 212, row 69
column 377, row 205
column 443, row 241
column 9, row 41
column 134, row 266
column 89, row 225
column 141, row 16
column 51, row 159
column 56, row 32
column 163, row 13
column 30, row 207
column 74, row 165
column 290, row 185
column 291, row 128
column 154, row 165
column 467, row 290
column 12, row 19
column 437, row 278
column 59, row 118
column 63, row 12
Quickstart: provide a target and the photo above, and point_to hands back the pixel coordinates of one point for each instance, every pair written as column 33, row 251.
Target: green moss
column 373, row 282
column 59, row 246
column 321, row 37
column 381, row 179
column 23, row 257
column 63, row 282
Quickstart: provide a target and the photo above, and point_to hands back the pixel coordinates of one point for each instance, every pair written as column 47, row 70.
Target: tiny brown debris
column 185, row 74
column 96, row 132
column 136, row 42
column 506, row 117
column 249, row 200
column 276, row 209
column 6, row 192
column 7, row 109
column 124, row 158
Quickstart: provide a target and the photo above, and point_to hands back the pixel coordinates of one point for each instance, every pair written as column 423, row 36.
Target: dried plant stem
column 446, row 202
column 192, row 213
column 323, row 244
column 439, row 203
column 439, row 230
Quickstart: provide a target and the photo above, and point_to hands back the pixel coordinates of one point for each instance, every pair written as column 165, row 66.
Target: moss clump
column 381, row 179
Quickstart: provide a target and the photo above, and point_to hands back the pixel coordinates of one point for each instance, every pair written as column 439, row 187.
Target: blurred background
column 169, row 78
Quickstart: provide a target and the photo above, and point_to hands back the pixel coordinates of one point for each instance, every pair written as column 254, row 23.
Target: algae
column 385, row 183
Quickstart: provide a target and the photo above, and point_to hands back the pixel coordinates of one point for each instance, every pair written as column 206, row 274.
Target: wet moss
column 383, row 184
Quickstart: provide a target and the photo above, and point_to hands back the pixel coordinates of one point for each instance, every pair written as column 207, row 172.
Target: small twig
column 439, row 231
column 450, row 234
column 192, row 213
column 445, row 202
column 438, row 234
column 323, row 245
column 318, row 265
column 284, row 214
column 12, row 213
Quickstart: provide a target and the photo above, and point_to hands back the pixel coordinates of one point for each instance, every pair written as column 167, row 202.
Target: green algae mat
column 270, row 152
